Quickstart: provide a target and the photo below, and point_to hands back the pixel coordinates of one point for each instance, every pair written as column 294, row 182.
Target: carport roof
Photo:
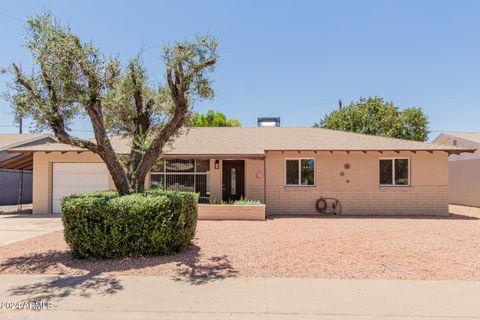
column 257, row 141
column 23, row 161
column 8, row 140
column 20, row 161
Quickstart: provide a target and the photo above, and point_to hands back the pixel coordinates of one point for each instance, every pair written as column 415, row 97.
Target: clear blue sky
column 292, row 59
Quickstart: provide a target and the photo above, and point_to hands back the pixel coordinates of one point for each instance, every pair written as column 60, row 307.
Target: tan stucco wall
column 215, row 180
column 464, row 187
column 428, row 193
column 42, row 176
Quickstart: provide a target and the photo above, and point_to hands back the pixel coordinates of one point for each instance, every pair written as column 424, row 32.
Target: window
column 192, row 175
column 300, row 172
column 233, row 182
column 394, row 172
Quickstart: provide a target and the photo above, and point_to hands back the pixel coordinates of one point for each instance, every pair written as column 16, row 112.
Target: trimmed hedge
column 103, row 225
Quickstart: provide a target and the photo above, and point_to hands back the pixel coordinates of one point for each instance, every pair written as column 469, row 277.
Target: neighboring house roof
column 8, row 141
column 256, row 141
column 444, row 137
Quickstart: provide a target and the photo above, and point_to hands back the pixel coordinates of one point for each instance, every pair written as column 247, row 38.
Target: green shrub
column 247, row 202
column 106, row 225
column 242, row 202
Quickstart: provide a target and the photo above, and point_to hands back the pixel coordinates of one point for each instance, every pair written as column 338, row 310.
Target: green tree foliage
column 374, row 116
column 213, row 119
column 73, row 79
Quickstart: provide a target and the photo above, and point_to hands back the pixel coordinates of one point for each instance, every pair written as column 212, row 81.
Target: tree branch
column 23, row 81
column 57, row 124
column 177, row 83
column 64, row 137
column 196, row 68
column 161, row 138
column 171, row 84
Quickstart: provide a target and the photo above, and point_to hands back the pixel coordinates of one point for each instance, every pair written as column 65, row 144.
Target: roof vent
column 269, row 122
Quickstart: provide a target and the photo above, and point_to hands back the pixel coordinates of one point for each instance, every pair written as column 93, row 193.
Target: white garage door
column 71, row 178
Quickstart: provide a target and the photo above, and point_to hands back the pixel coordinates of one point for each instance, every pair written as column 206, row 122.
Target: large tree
column 376, row 117
column 73, row 79
column 213, row 119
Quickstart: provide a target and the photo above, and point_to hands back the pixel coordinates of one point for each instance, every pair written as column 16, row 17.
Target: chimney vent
column 268, row 122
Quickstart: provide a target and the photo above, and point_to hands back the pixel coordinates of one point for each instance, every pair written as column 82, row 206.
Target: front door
column 233, row 179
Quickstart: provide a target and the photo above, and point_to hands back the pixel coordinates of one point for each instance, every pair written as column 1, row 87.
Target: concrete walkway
column 92, row 297
column 15, row 228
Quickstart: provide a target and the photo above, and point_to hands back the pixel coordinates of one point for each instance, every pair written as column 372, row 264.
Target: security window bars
column 191, row 175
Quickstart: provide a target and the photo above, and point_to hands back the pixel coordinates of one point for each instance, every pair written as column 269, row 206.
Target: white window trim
column 393, row 172
column 300, row 185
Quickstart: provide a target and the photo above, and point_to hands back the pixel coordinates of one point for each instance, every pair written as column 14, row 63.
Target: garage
column 71, row 178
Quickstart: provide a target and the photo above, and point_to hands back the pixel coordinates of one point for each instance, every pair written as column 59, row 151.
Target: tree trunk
column 119, row 176
column 105, row 149
column 140, row 184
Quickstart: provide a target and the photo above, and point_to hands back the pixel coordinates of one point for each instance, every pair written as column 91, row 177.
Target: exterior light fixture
column 217, row 164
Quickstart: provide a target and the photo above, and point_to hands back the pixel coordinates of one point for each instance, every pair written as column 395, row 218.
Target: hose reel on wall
column 329, row 206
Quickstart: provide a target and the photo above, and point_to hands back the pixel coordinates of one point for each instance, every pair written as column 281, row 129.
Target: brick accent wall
column 358, row 187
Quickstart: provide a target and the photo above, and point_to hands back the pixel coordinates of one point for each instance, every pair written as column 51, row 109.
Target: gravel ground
column 345, row 247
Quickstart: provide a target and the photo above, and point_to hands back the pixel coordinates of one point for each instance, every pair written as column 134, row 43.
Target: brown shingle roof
column 255, row 141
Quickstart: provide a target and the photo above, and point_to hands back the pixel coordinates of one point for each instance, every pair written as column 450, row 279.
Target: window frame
column 300, row 185
column 393, row 172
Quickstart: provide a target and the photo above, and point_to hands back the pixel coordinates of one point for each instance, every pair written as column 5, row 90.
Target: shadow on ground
column 191, row 267
column 58, row 288
column 215, row 268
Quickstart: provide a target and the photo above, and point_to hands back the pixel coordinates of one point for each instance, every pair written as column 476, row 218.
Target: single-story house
column 15, row 173
column 288, row 169
column 464, row 168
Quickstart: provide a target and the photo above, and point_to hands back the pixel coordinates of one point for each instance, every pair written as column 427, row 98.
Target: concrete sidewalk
column 89, row 296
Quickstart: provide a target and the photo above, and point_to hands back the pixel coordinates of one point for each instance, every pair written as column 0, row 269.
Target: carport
column 16, row 167
column 16, row 173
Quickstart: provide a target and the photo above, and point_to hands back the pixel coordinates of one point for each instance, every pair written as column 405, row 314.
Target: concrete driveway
column 15, row 228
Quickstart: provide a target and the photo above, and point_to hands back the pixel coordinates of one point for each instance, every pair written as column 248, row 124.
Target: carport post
column 20, row 191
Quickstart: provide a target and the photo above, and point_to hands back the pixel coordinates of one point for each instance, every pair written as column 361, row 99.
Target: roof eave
column 17, row 144
column 448, row 150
